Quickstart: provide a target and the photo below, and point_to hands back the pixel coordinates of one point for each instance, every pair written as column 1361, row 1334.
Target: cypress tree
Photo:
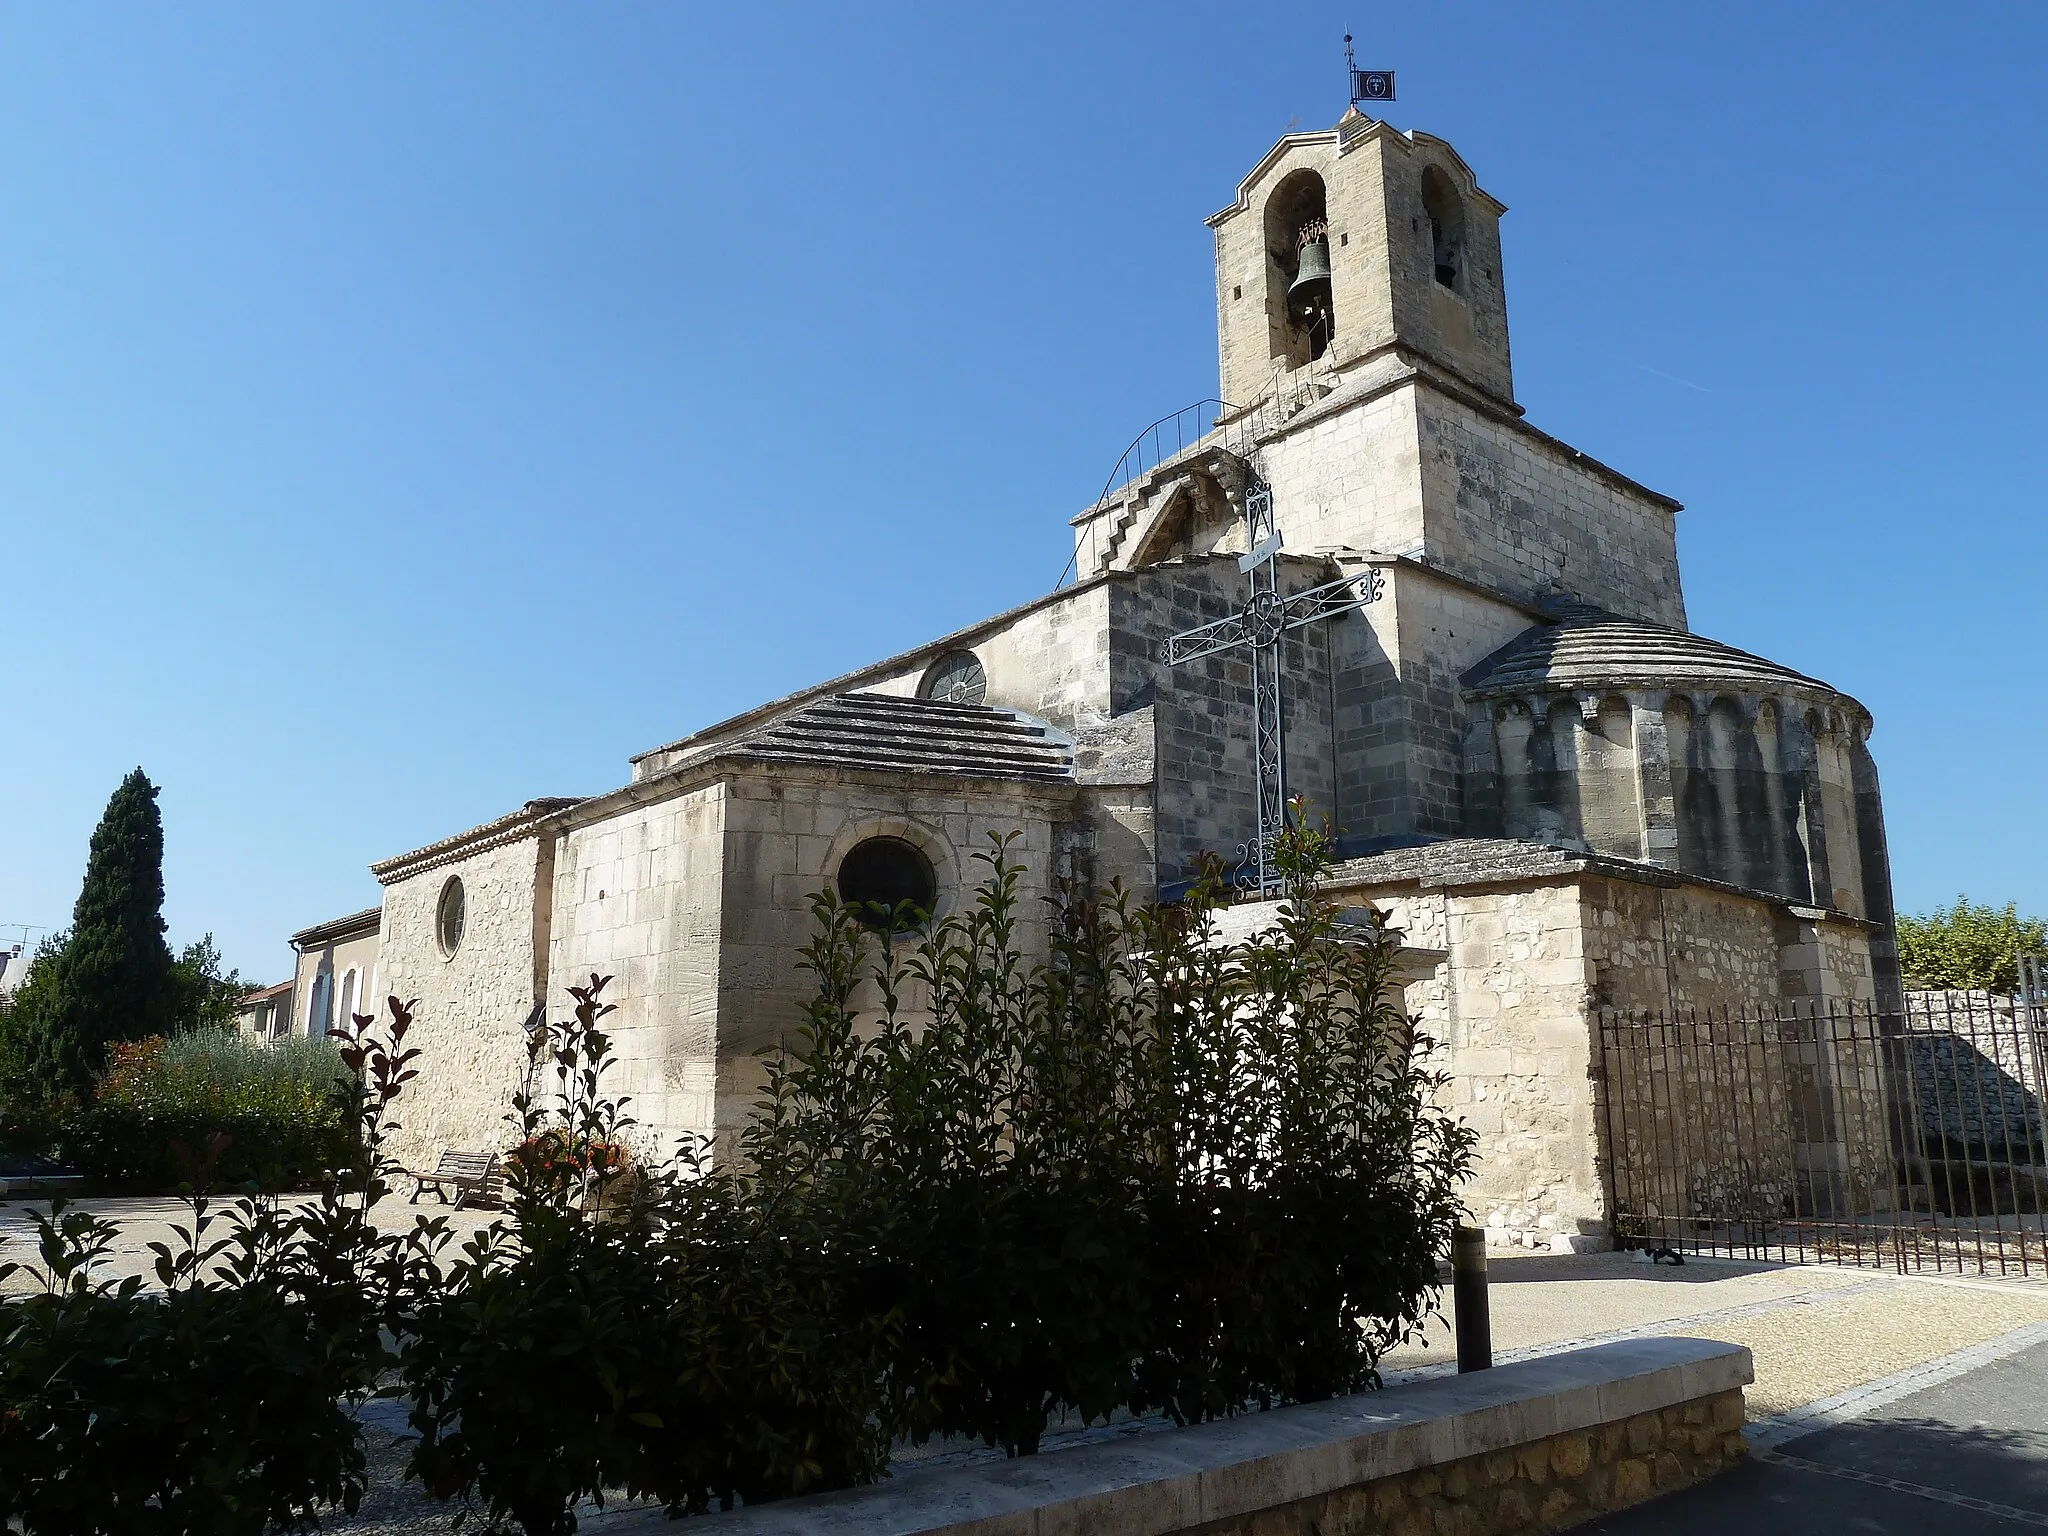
column 113, row 979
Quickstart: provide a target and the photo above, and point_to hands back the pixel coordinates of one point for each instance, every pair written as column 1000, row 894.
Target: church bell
column 1309, row 293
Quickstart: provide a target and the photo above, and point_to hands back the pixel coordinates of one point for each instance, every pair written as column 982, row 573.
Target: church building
column 1563, row 797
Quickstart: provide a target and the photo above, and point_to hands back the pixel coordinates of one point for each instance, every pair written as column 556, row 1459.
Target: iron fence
column 1832, row 1131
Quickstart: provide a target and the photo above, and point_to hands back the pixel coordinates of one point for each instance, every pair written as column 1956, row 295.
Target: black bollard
column 1468, row 1294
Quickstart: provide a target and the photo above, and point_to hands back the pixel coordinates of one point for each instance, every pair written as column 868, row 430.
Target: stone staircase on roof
column 890, row 734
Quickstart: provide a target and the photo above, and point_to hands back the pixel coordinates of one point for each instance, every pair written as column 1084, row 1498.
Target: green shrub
column 683, row 1343
column 221, row 1401
column 1153, row 1171
column 281, row 1108
column 1160, row 1172
column 1969, row 947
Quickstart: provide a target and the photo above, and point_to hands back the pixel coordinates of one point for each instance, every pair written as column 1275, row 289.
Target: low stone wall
column 1535, row 1446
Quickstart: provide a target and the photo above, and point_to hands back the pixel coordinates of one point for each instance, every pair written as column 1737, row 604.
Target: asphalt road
column 1902, row 1470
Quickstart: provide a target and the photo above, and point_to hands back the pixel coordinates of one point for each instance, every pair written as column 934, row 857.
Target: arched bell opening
column 1300, row 313
column 1446, row 210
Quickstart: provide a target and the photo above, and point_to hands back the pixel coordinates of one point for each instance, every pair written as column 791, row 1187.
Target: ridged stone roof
column 898, row 735
column 1590, row 648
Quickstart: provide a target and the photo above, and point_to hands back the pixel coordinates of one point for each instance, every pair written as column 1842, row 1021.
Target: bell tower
column 1355, row 244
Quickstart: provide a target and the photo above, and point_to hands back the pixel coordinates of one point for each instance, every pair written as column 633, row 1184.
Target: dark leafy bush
column 676, row 1341
column 277, row 1115
column 1160, row 1172
column 1146, row 1169
column 1151, row 1171
column 219, row 1401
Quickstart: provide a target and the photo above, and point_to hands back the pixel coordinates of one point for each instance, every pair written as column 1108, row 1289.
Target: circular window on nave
column 880, row 874
column 449, row 912
column 955, row 678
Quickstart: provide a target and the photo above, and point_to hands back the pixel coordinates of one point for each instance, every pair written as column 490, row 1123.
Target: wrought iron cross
column 1258, row 628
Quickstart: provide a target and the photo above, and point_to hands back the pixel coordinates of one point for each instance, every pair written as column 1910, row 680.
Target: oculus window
column 879, row 875
column 448, row 915
column 956, row 678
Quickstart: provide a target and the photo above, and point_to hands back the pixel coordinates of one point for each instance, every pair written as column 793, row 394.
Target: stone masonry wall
column 1406, row 771
column 1546, row 1485
column 1660, row 947
column 471, row 1003
column 1052, row 662
column 1521, row 514
column 1203, row 710
column 785, row 834
column 1520, row 1051
column 1351, row 479
column 1515, row 1014
column 638, row 897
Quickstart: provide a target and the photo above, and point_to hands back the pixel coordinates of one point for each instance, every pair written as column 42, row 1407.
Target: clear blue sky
column 406, row 411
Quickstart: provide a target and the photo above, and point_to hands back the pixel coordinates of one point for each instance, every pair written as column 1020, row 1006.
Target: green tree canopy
column 206, row 995
column 1968, row 947
column 114, row 978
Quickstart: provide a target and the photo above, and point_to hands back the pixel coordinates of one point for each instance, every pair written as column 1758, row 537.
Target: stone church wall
column 638, row 898
column 471, row 1004
column 1203, row 710
column 1399, row 714
column 1520, row 1051
column 1527, row 516
column 785, row 834
column 1351, row 479
column 1052, row 662
column 1514, row 1011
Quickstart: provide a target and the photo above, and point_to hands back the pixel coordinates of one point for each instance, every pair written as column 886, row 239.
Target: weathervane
column 1257, row 629
column 1374, row 85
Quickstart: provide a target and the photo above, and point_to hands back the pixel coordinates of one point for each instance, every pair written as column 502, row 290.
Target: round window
column 956, row 678
column 448, row 915
column 879, row 875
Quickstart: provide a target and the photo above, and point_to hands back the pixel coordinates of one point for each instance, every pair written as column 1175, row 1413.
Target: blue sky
column 407, row 411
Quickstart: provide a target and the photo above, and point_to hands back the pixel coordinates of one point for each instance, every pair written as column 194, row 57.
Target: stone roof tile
column 899, row 735
column 1591, row 648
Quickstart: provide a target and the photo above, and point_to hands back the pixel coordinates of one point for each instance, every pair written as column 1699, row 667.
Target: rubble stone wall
column 470, row 1003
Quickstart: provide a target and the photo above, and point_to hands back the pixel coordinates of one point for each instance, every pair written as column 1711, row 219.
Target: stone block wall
column 1202, row 711
column 638, row 896
column 1521, row 1055
column 1515, row 1011
column 1052, row 660
column 1351, row 476
column 1400, row 715
column 472, row 1002
column 1523, row 514
column 785, row 833
column 1548, row 1484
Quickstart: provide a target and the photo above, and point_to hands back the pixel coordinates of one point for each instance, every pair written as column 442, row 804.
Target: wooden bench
column 472, row 1176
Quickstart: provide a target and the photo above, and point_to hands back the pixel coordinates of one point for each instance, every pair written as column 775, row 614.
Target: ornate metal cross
column 1258, row 628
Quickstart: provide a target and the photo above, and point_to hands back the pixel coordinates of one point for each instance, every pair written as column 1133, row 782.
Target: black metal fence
column 1831, row 1131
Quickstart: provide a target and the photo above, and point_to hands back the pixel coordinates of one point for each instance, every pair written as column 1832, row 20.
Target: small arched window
column 320, row 1006
column 350, row 1003
column 1446, row 212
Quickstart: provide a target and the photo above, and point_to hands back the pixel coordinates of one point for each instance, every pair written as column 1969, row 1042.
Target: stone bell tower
column 1351, row 244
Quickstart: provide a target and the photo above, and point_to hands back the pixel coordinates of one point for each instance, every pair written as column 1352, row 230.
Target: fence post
column 1468, row 1293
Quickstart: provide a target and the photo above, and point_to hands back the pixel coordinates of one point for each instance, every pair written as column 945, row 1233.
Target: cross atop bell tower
column 1353, row 244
